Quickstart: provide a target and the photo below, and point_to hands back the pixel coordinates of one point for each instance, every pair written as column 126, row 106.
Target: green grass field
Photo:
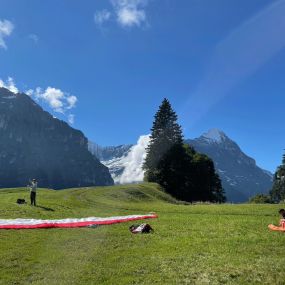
column 192, row 244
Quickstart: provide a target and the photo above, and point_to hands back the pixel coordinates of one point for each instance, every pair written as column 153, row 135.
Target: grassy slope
column 192, row 244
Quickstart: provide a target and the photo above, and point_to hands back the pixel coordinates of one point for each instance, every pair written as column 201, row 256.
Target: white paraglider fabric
column 69, row 223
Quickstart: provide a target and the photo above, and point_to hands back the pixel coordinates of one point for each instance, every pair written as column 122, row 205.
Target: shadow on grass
column 46, row 208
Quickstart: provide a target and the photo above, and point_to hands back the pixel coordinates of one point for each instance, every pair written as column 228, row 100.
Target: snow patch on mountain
column 214, row 135
column 128, row 168
column 133, row 171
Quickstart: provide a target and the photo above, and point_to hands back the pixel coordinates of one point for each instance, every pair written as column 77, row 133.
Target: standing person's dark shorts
column 33, row 192
column 33, row 198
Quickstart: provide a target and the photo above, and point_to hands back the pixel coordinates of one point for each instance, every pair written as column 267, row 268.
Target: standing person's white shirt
column 34, row 186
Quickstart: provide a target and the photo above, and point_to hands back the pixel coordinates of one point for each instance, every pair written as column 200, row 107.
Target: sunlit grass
column 192, row 244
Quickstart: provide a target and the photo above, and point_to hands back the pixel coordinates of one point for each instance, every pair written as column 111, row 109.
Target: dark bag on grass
column 21, row 201
column 141, row 229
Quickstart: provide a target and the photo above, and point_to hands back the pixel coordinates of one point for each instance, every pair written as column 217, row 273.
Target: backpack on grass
column 141, row 229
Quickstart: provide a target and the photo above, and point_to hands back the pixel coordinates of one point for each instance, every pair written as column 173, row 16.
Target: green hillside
column 192, row 244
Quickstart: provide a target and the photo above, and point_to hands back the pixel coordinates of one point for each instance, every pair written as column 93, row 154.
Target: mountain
column 113, row 157
column 109, row 152
column 124, row 161
column 241, row 177
column 34, row 144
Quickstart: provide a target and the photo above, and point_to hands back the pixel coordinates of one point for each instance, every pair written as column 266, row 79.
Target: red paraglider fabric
column 69, row 223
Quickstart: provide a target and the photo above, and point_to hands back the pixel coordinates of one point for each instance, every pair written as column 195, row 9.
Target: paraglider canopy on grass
column 69, row 223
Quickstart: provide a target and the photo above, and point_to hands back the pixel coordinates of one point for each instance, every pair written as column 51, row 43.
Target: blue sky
column 107, row 65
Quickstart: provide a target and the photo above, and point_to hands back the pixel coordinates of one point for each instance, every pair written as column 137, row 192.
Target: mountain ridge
column 34, row 144
column 241, row 177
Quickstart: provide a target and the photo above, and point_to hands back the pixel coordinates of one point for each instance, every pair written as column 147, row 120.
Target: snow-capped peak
column 214, row 135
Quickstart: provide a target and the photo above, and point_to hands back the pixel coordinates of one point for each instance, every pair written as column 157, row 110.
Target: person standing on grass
column 33, row 191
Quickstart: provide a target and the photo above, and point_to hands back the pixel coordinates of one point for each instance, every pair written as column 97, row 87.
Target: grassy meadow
column 192, row 244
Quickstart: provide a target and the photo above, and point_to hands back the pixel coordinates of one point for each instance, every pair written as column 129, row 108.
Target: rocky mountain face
column 113, row 157
column 34, row 144
column 108, row 152
column 241, row 177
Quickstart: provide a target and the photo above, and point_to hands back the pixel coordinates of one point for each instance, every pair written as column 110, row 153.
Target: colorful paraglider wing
column 69, row 223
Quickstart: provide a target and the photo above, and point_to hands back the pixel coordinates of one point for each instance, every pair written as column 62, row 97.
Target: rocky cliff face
column 240, row 175
column 108, row 152
column 33, row 144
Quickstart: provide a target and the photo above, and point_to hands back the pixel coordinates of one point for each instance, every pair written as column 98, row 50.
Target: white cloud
column 58, row 100
column 6, row 28
column 70, row 119
column 128, row 13
column 54, row 97
column 102, row 16
column 9, row 84
column 129, row 18
column 71, row 100
column 29, row 92
column 133, row 162
column 34, row 38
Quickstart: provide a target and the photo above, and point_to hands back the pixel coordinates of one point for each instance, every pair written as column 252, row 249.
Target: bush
column 260, row 199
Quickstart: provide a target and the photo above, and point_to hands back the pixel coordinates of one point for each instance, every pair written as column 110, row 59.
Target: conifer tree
column 206, row 183
column 165, row 133
column 218, row 190
column 165, row 153
column 181, row 171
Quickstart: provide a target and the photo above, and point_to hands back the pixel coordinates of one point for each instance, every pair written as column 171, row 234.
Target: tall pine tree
column 165, row 133
column 165, row 154
column 181, row 171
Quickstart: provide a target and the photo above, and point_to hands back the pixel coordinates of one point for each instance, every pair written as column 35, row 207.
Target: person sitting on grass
column 33, row 191
column 282, row 213
column 282, row 221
